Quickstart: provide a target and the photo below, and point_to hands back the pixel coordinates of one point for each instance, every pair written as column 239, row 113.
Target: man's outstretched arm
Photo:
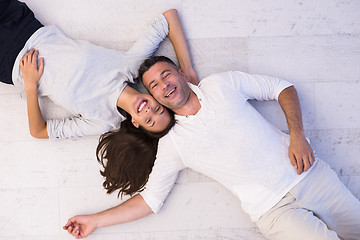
column 82, row 226
column 300, row 152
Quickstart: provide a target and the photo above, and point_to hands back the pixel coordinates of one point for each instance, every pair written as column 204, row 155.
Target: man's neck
column 191, row 107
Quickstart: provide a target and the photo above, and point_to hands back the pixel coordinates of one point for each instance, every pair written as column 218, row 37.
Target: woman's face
column 149, row 114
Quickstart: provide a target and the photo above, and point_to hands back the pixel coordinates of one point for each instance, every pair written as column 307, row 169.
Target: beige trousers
column 320, row 207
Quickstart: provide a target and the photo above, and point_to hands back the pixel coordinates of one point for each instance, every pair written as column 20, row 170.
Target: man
column 288, row 192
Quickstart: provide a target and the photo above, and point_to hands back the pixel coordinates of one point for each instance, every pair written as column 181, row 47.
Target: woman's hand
column 31, row 75
column 191, row 76
column 30, row 70
column 178, row 40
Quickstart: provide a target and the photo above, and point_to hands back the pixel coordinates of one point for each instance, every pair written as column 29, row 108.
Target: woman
column 88, row 80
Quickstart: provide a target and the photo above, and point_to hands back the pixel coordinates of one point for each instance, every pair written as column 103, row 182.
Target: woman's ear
column 136, row 124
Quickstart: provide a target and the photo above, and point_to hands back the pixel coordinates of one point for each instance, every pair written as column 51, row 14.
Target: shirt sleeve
column 167, row 165
column 146, row 45
column 74, row 127
column 259, row 87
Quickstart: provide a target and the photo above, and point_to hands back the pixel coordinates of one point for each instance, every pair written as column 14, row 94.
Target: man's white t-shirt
column 229, row 141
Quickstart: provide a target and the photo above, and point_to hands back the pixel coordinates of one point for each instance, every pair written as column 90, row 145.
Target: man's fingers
column 72, row 230
column 293, row 160
column 78, row 236
column 312, row 158
column 300, row 165
column 307, row 163
column 68, row 224
column 75, row 231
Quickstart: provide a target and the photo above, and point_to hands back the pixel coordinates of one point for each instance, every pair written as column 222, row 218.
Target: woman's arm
column 178, row 40
column 31, row 75
column 146, row 45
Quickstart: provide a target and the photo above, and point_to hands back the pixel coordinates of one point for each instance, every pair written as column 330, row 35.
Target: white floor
column 314, row 44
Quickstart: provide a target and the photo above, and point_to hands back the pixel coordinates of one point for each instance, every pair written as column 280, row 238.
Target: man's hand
column 80, row 226
column 30, row 71
column 301, row 154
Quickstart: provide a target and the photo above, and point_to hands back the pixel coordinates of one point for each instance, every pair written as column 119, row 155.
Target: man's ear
column 181, row 72
column 136, row 124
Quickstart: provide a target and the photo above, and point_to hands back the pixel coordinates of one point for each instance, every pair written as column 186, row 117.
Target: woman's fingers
column 34, row 57
column 29, row 56
column 41, row 66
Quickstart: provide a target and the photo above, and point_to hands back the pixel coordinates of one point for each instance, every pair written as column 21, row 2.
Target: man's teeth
column 170, row 92
column 141, row 106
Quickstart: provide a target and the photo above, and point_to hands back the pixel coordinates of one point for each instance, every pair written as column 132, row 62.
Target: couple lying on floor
column 208, row 126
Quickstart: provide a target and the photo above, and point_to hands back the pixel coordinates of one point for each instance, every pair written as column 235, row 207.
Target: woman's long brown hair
column 128, row 155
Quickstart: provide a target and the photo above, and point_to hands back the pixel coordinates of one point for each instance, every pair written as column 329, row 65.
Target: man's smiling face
column 167, row 84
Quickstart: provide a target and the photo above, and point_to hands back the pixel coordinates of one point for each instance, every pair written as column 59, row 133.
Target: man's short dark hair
column 148, row 63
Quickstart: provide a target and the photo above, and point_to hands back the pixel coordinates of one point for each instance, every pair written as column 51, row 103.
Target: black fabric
column 17, row 24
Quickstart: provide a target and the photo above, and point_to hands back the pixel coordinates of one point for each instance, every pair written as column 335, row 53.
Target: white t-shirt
column 229, row 141
column 86, row 79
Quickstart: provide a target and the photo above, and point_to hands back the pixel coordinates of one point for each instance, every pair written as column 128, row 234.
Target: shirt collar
column 197, row 91
column 199, row 94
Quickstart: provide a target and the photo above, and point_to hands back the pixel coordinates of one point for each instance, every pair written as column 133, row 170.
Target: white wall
column 314, row 44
